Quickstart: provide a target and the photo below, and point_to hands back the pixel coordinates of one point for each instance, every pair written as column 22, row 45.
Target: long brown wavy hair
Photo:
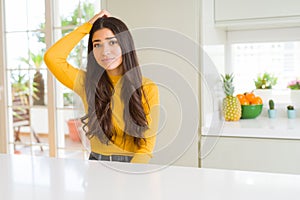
column 99, row 89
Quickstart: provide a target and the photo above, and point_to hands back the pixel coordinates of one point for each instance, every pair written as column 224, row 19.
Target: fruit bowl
column 251, row 111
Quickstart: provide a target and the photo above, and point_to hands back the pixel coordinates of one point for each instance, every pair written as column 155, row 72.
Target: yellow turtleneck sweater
column 74, row 78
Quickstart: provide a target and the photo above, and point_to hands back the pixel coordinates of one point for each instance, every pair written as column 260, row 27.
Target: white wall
column 166, row 34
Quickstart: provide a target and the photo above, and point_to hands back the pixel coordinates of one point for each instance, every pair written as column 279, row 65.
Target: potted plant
column 266, row 81
column 20, row 86
column 20, row 96
column 264, row 84
column 271, row 110
column 38, row 80
column 291, row 112
column 21, row 90
column 74, row 126
column 294, row 87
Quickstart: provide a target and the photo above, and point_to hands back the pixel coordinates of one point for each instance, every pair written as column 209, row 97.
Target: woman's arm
column 144, row 154
column 56, row 56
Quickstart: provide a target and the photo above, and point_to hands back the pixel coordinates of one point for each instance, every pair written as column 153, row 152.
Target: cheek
column 117, row 52
column 119, row 60
column 97, row 56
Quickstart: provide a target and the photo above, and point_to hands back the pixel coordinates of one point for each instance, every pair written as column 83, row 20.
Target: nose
column 106, row 50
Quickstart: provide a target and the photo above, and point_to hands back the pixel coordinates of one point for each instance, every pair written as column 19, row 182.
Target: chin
column 111, row 68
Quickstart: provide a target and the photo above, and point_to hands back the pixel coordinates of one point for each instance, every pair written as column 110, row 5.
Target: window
column 275, row 51
column 67, row 18
column 282, row 59
column 26, row 75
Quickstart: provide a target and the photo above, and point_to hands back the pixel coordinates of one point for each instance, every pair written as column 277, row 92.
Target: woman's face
column 107, row 51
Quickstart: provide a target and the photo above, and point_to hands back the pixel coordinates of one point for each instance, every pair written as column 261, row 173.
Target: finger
column 104, row 13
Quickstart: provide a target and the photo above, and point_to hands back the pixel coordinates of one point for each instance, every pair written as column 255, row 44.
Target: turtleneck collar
column 114, row 78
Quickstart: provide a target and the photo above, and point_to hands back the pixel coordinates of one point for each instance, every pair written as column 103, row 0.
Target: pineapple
column 232, row 110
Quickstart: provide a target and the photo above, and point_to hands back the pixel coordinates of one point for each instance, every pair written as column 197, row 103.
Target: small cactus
column 290, row 107
column 271, row 104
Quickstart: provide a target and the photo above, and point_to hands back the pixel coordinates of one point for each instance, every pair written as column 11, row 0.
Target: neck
column 115, row 72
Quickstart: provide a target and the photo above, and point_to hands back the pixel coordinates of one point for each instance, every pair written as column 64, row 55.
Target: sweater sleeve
column 56, row 56
column 144, row 154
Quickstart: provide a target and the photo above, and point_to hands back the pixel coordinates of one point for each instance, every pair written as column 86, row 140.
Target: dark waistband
column 119, row 158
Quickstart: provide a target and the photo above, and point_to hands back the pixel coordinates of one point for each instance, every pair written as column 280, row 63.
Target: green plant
column 68, row 98
column 34, row 59
column 19, row 83
column 271, row 104
column 20, row 95
column 82, row 13
column 294, row 85
column 290, row 107
column 38, row 87
column 266, row 81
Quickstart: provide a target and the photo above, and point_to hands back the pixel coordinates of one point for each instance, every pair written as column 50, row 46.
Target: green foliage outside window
column 80, row 15
column 20, row 83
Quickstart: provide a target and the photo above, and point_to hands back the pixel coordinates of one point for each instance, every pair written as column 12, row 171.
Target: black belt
column 119, row 158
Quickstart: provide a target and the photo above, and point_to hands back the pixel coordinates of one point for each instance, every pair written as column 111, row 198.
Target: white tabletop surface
column 261, row 127
column 42, row 178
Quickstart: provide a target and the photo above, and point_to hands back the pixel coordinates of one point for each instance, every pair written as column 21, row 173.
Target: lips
column 107, row 60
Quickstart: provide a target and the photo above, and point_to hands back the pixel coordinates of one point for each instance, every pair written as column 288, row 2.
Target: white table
column 42, row 178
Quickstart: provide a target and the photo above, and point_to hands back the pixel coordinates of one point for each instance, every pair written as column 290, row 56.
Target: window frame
column 3, row 91
column 257, row 36
column 51, row 13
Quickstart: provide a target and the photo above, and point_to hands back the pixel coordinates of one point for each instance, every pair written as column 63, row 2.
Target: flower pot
column 74, row 129
column 278, row 95
column 295, row 98
column 291, row 114
column 272, row 113
column 264, row 94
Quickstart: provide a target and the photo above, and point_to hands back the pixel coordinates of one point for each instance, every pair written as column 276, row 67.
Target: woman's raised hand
column 102, row 13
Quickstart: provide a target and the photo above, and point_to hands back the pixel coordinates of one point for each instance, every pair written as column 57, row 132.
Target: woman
column 121, row 105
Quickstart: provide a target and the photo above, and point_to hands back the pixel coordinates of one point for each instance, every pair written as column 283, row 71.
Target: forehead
column 103, row 34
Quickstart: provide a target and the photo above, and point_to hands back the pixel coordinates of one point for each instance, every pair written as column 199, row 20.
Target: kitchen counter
column 261, row 127
column 260, row 144
column 27, row 178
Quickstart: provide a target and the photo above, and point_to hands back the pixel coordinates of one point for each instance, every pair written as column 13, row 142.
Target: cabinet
column 255, row 13
column 261, row 144
column 253, row 154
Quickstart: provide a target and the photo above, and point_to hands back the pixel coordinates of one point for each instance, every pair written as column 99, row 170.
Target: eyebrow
column 108, row 38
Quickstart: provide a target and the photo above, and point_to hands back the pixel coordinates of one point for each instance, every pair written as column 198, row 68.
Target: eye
column 113, row 42
column 97, row 45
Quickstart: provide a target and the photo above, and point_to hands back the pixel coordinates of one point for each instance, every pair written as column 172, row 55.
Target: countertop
column 27, row 178
column 261, row 127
